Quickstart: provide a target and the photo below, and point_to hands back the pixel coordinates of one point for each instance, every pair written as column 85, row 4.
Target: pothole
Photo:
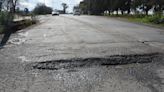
column 89, row 62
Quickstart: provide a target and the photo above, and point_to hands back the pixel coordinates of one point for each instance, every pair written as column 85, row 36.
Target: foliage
column 151, row 19
column 157, row 19
column 42, row 9
column 125, row 6
column 65, row 6
column 9, row 5
column 8, row 9
column 5, row 20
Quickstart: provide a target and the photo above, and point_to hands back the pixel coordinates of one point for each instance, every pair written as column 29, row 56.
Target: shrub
column 5, row 21
column 6, row 18
column 139, row 15
column 157, row 19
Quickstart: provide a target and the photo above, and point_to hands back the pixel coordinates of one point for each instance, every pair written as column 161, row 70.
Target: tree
column 9, row 5
column 65, row 6
column 13, row 5
column 159, row 6
column 135, row 4
column 42, row 9
column 99, row 6
column 83, row 7
column 125, row 5
column 146, row 5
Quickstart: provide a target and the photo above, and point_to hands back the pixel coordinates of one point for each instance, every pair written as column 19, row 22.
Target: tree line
column 98, row 7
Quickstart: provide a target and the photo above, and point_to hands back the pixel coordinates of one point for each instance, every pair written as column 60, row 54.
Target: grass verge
column 155, row 20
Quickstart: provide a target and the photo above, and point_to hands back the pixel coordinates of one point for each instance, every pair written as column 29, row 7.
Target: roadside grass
column 155, row 20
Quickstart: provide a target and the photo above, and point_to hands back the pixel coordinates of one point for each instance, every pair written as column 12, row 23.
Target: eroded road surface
column 83, row 54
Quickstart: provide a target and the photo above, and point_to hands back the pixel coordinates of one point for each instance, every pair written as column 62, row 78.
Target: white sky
column 55, row 4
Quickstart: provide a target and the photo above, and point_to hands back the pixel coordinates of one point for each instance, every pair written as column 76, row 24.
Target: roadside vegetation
column 146, row 11
column 65, row 6
column 42, row 9
column 5, row 21
column 9, row 12
column 140, row 18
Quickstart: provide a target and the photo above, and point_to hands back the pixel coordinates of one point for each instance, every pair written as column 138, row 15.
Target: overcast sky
column 55, row 4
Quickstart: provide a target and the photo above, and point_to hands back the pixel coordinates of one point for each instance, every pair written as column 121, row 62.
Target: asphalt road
column 83, row 54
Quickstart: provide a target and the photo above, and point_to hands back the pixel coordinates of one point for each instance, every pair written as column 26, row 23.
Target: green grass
column 151, row 19
column 148, row 20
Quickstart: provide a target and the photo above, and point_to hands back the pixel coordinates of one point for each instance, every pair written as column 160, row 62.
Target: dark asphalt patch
column 88, row 62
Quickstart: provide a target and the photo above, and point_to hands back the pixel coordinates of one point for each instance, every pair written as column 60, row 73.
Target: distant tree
column 83, row 7
column 125, row 6
column 42, row 9
column 159, row 6
column 135, row 4
column 99, row 6
column 65, row 6
column 146, row 5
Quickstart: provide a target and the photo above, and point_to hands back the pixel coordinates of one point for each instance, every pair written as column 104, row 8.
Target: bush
column 6, row 18
column 157, row 19
column 139, row 16
column 5, row 21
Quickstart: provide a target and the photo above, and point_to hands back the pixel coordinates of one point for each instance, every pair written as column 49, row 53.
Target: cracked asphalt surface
column 83, row 54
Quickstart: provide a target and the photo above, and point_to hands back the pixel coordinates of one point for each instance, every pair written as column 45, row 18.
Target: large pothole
column 88, row 62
